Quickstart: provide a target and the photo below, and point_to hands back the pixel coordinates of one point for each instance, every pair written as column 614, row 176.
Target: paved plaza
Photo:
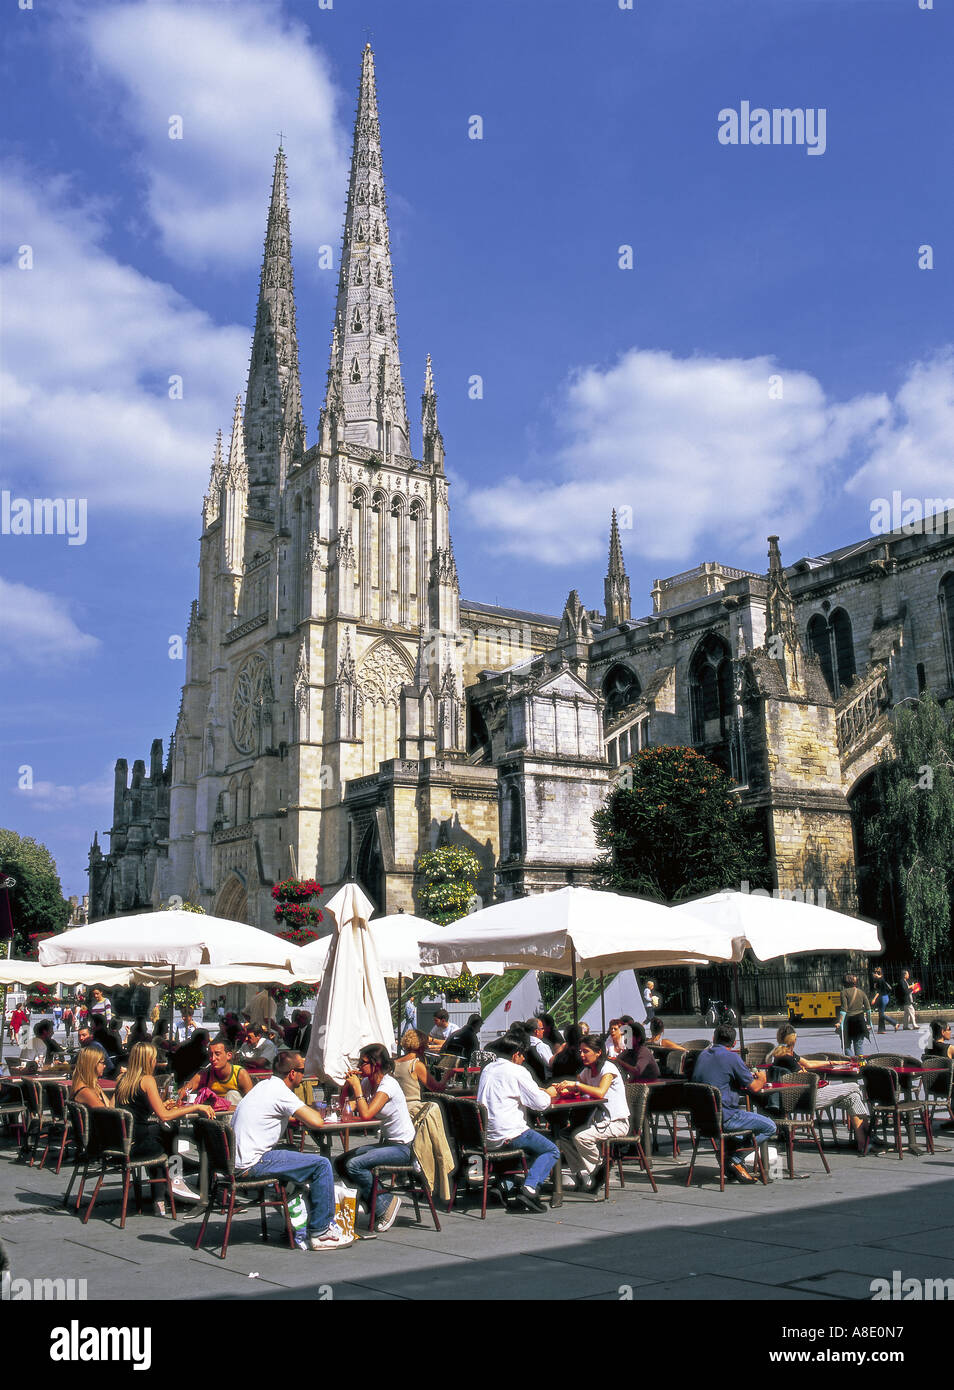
column 815, row 1238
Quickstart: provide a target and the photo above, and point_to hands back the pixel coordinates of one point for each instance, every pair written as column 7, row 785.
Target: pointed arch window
column 379, row 277
column 356, row 322
column 375, row 197
column 710, row 690
column 620, row 688
column 381, row 327
column 831, row 640
column 360, row 231
column 946, row 602
column 355, row 369
column 358, row 277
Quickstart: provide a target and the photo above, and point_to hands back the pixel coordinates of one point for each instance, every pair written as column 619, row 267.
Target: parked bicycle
column 717, row 1011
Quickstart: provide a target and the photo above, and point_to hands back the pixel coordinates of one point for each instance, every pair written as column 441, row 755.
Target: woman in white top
column 602, row 1080
column 387, row 1103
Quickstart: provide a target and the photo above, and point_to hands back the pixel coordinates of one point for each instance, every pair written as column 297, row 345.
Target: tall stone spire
column 274, row 426
column 781, row 629
column 616, row 584
column 210, row 505
column 430, row 431
column 234, row 503
column 365, row 374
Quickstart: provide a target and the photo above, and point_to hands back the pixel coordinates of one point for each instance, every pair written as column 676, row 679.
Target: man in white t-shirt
column 258, row 1124
column 508, row 1091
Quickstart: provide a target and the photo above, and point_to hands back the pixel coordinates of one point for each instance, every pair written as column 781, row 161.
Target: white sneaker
column 385, row 1222
column 184, row 1193
column 332, row 1239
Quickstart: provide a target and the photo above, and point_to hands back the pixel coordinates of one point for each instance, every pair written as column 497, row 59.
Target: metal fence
column 683, row 991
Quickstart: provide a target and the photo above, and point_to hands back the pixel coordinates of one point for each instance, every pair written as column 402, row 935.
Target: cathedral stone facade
column 344, row 709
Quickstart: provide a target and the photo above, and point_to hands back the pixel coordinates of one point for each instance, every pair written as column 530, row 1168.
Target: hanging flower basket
column 293, row 904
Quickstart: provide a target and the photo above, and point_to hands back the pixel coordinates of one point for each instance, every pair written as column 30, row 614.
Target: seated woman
column 941, row 1045
column 637, row 1063
column 385, row 1101
column 615, row 1039
column 85, row 1087
column 137, row 1091
column 657, row 1036
column 601, row 1079
column 567, row 1060
column 841, row 1095
column 223, row 1076
column 410, row 1070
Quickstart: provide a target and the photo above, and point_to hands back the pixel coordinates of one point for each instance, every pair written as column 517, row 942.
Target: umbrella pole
column 573, row 969
column 602, row 1005
column 738, row 1003
column 398, row 1009
column 172, row 1005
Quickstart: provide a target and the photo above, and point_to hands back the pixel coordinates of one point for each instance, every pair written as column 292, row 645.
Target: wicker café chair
column 467, row 1121
column 55, row 1097
column 411, row 1172
column 705, row 1116
column 637, row 1095
column 756, row 1053
column 883, row 1091
column 795, row 1111
column 11, row 1111
column 937, row 1085
column 36, row 1124
column 111, row 1133
column 218, row 1143
column 83, row 1155
column 667, row 1101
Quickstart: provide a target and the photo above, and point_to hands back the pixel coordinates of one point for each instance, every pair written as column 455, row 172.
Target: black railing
column 765, row 991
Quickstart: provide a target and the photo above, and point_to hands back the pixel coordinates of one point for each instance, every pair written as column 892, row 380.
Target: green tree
column 671, row 828
column 450, row 882
column 37, row 905
column 913, row 833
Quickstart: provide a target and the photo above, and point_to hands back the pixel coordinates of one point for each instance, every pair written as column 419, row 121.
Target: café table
column 562, row 1110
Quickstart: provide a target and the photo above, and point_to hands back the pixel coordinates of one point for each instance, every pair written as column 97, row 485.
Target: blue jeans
column 359, row 1166
column 761, row 1126
column 301, row 1169
column 543, row 1152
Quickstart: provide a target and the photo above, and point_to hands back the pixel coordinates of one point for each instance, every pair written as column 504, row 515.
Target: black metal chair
column 218, row 1143
column 411, row 1172
column 793, row 1109
column 637, row 1095
column 882, row 1087
column 467, row 1122
column 111, row 1133
column 705, row 1115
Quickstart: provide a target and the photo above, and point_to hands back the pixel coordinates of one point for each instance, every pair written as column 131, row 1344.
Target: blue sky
column 643, row 388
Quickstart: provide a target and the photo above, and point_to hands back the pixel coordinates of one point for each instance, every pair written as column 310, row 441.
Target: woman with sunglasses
column 377, row 1095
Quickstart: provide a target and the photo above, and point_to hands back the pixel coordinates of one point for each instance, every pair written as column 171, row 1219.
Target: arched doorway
column 232, row 901
column 370, row 867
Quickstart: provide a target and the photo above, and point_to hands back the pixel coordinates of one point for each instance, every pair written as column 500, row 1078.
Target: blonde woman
column 410, row 1069
column 137, row 1091
column 85, row 1088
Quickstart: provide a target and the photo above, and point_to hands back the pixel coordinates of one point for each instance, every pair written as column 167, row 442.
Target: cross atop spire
column 616, row 584
column 365, row 373
column 274, row 426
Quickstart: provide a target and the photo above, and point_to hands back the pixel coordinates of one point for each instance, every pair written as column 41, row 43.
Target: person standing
column 650, row 1000
column 881, row 997
column 99, row 1010
column 906, row 995
column 854, row 1016
column 69, row 1019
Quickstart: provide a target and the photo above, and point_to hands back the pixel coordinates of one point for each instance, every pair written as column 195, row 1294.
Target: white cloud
column 236, row 74
column 90, row 345
column 911, row 451
column 706, row 458
column 38, row 630
column 52, row 796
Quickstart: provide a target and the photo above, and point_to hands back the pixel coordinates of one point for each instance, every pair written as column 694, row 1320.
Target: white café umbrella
column 28, row 972
column 575, row 928
column 773, row 927
column 397, row 940
column 352, row 1007
column 183, row 941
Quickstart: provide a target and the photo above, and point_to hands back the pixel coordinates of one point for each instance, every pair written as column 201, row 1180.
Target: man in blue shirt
column 721, row 1066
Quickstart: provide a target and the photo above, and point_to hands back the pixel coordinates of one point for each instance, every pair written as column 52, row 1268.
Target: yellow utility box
column 818, row 1004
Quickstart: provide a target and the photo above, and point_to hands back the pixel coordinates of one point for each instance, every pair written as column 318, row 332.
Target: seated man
column 465, row 1041
column 508, row 1091
column 223, row 1076
column 258, row 1124
column 720, row 1066
column 440, row 1030
column 539, row 1047
column 257, row 1048
column 42, row 1048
